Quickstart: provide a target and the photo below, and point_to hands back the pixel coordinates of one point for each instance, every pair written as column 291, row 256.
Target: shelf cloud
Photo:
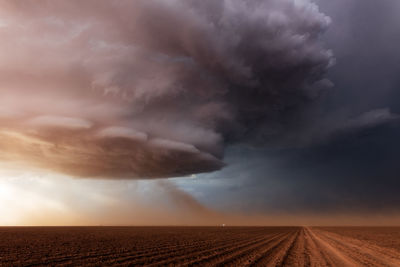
column 155, row 88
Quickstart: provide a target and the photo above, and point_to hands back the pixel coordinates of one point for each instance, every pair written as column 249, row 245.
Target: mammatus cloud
column 155, row 88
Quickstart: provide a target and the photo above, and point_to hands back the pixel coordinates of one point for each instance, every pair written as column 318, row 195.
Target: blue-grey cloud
column 343, row 159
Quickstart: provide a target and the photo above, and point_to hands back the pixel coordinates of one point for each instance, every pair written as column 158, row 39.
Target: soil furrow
column 168, row 258
column 200, row 246
column 139, row 254
column 244, row 256
column 266, row 250
column 274, row 256
column 203, row 257
column 292, row 249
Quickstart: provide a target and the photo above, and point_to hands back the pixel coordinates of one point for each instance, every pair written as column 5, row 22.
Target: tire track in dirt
column 314, row 254
column 297, row 255
column 322, row 253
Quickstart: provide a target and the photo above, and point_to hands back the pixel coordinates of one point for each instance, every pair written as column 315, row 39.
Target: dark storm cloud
column 365, row 38
column 354, row 174
column 154, row 88
column 347, row 160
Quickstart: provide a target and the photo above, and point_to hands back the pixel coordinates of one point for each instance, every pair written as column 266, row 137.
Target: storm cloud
column 156, row 88
column 347, row 163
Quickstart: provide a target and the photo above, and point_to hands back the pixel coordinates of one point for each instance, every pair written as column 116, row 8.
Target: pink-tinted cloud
column 155, row 88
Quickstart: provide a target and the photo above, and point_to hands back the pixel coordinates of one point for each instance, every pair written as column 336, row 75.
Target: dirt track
column 201, row 246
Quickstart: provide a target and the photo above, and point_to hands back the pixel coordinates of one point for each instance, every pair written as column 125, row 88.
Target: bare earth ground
column 200, row 246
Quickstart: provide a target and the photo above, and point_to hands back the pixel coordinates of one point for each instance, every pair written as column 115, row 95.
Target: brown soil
column 199, row 246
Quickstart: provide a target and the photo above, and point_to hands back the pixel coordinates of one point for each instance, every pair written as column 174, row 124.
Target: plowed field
column 199, row 246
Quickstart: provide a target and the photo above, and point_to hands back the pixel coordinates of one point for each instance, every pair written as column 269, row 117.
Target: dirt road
column 324, row 248
column 199, row 246
column 316, row 247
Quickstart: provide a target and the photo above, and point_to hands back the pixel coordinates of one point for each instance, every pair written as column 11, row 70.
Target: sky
column 170, row 112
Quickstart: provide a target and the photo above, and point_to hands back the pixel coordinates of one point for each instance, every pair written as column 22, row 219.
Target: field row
column 191, row 246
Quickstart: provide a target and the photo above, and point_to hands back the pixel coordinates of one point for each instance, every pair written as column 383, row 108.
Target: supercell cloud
column 155, row 88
